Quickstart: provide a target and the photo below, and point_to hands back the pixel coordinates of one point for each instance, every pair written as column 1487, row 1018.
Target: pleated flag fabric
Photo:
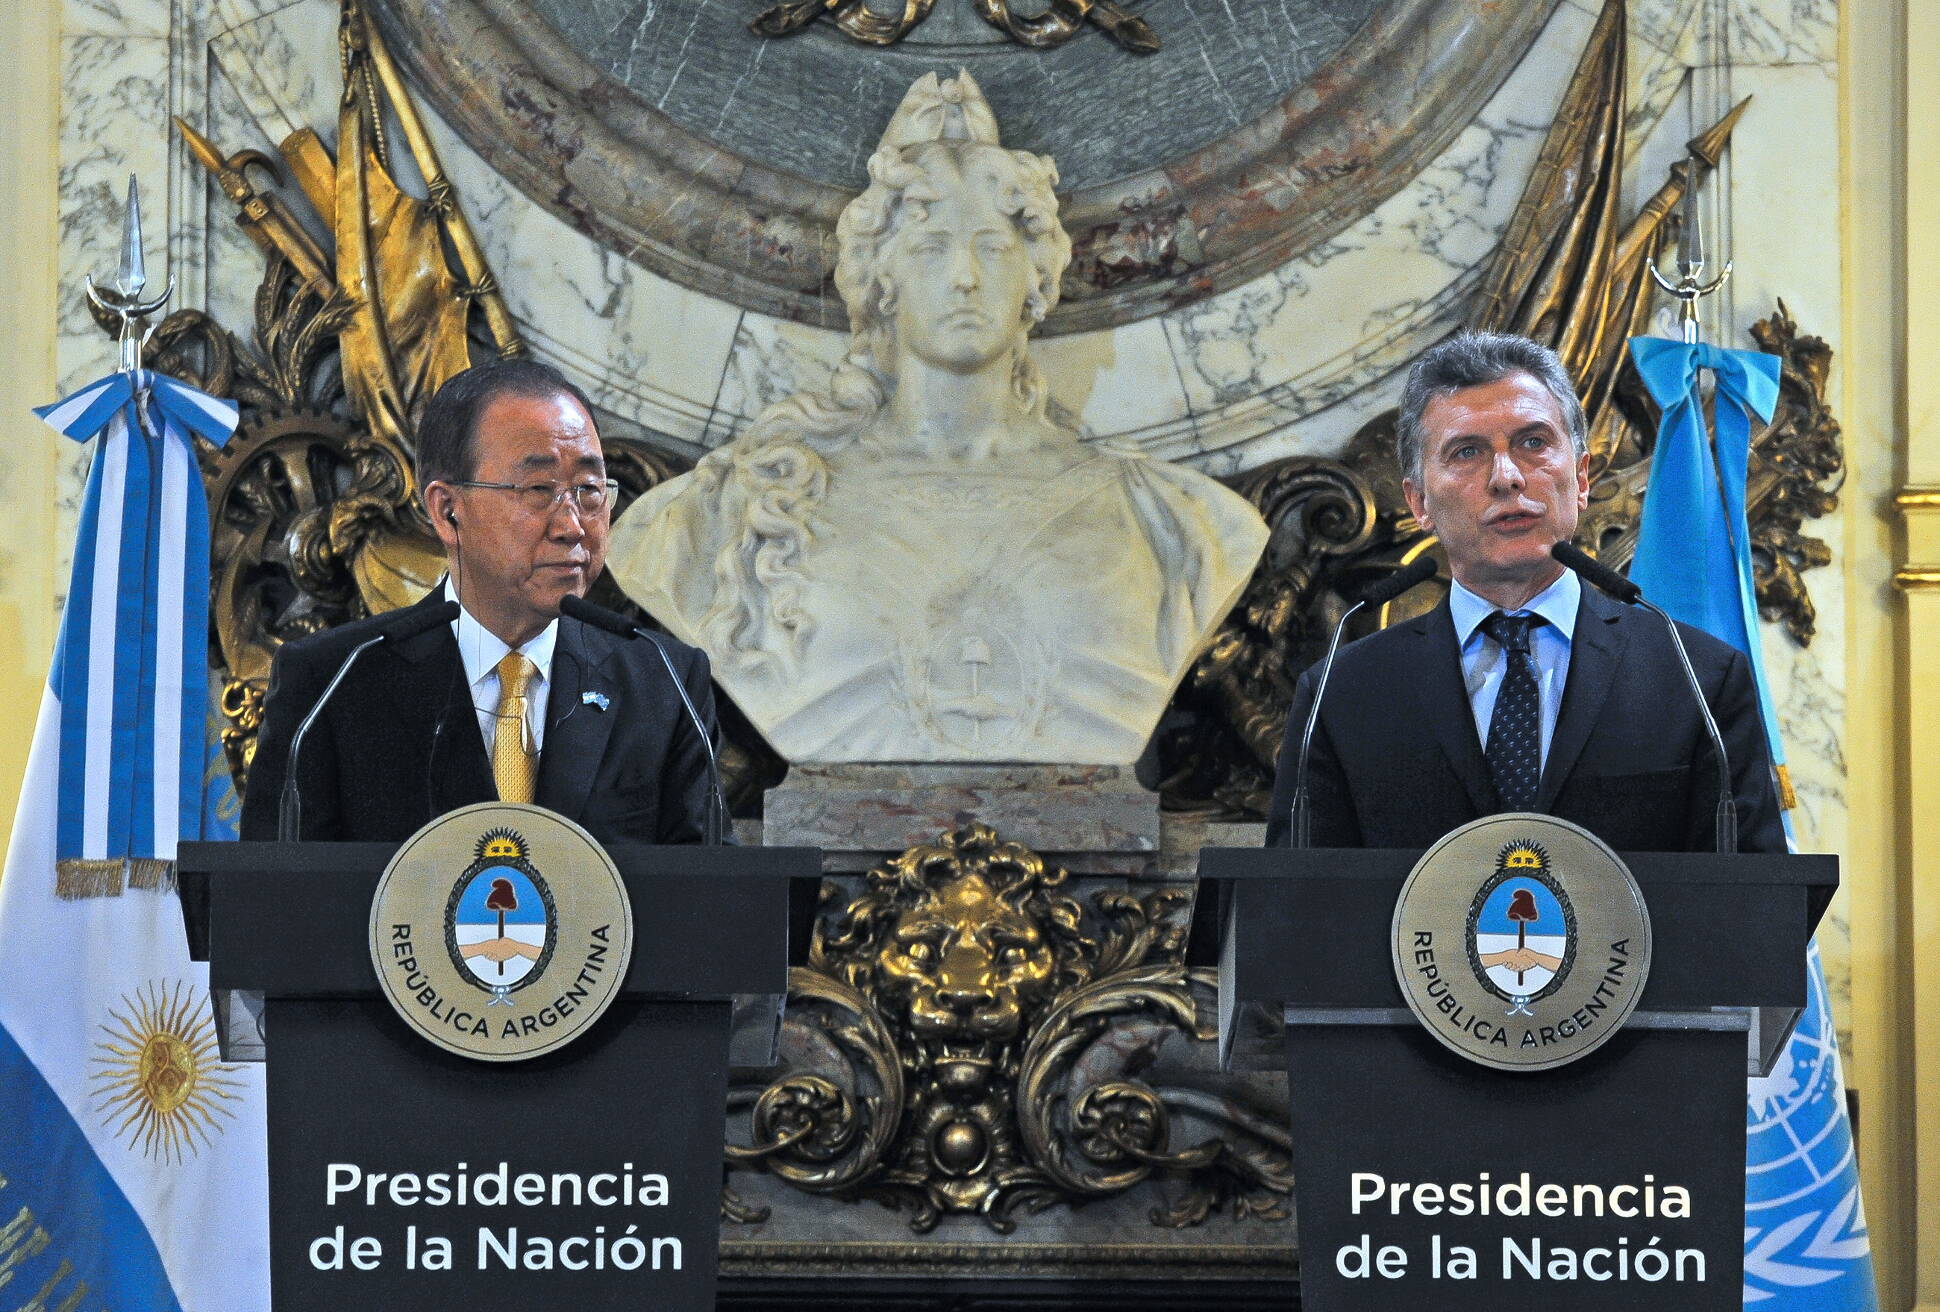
column 1806, row 1244
column 132, row 1165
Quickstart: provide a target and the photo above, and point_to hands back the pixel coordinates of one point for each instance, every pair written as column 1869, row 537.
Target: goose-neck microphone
column 289, row 808
column 586, row 612
column 1624, row 590
column 1420, row 570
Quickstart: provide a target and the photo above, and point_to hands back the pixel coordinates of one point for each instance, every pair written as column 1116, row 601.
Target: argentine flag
column 1806, row 1246
column 132, row 1162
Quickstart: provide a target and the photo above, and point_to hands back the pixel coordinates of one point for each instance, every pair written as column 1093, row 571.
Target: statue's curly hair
column 777, row 470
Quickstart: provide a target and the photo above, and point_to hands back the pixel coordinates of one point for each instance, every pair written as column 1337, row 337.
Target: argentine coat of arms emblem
column 501, row 932
column 1521, row 941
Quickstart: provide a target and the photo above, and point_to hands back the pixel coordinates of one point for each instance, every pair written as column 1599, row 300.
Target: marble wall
column 1292, row 362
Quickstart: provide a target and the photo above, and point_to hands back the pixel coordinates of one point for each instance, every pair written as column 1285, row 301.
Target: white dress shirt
column 1484, row 663
column 481, row 650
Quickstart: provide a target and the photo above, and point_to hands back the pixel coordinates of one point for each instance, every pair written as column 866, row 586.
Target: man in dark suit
column 510, row 702
column 1526, row 690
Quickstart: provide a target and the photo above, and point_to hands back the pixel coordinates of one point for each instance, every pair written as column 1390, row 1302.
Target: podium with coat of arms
column 498, row 1054
column 1516, row 1063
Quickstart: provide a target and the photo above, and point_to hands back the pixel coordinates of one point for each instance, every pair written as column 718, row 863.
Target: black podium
column 1425, row 1180
column 405, row 1176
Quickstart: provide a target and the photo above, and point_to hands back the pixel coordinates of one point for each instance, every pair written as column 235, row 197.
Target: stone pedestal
column 1091, row 819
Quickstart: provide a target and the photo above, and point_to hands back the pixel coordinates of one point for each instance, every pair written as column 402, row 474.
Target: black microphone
column 600, row 617
column 1420, row 570
column 1624, row 590
column 289, row 811
column 1595, row 571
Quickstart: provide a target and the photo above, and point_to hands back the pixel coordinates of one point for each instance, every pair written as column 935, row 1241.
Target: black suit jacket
column 1397, row 762
column 399, row 743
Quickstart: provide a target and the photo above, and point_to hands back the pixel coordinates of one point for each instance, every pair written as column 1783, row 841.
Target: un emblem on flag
column 501, row 932
column 1521, row 942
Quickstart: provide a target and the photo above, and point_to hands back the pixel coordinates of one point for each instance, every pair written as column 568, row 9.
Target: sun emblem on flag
column 157, row 1083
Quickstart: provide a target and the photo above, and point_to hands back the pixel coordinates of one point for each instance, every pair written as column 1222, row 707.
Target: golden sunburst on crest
column 1523, row 856
column 501, row 844
column 157, row 1082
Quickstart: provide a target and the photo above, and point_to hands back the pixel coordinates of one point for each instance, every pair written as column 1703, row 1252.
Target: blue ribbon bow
column 1693, row 548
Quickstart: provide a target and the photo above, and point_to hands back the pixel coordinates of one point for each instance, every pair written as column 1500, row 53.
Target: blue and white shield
column 500, row 926
column 1520, row 938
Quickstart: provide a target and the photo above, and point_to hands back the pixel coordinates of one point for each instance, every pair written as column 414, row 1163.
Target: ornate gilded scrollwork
column 966, row 1040
column 313, row 501
column 1056, row 23
column 1219, row 738
column 1798, row 464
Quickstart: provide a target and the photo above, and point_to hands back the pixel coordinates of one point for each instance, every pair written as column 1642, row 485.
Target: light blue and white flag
column 132, row 1159
column 1806, row 1245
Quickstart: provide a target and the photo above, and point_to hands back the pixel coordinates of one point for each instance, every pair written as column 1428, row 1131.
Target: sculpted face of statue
column 961, row 277
column 918, row 563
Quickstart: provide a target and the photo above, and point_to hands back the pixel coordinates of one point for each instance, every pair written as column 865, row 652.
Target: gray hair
column 1472, row 359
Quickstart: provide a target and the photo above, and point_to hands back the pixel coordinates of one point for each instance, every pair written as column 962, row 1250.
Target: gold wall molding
column 1043, row 31
column 1912, row 503
column 1889, row 182
column 1920, row 654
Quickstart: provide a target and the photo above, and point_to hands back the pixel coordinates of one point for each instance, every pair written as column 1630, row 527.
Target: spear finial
column 132, row 276
column 1690, row 287
column 1690, row 237
column 123, row 298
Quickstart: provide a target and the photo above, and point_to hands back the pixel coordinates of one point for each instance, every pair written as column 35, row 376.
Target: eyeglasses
column 588, row 498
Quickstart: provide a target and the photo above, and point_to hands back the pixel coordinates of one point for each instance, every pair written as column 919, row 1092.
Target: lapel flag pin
column 598, row 699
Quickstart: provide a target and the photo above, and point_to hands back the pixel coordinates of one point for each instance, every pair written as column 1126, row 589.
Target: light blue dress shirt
column 1484, row 663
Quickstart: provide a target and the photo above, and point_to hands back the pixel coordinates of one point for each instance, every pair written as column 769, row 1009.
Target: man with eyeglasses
column 511, row 701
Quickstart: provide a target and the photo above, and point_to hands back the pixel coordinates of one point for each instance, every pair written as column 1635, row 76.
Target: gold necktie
column 515, row 765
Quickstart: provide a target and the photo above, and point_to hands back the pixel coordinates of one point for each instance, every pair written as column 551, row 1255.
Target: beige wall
column 29, row 235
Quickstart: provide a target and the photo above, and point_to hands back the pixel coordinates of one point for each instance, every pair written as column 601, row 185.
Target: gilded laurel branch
column 970, row 1040
column 1798, row 465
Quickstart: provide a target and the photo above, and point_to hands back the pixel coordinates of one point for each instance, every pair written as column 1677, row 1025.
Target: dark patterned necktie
column 1515, row 727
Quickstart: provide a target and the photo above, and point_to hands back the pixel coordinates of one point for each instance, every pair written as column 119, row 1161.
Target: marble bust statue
column 919, row 564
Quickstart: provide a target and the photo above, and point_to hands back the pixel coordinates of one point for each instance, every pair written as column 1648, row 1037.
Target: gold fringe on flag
column 77, row 878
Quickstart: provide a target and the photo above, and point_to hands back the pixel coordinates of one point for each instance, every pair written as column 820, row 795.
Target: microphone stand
column 1624, row 590
column 1379, row 595
column 715, row 822
column 289, row 805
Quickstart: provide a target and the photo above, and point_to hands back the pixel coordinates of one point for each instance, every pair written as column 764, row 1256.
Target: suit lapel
column 576, row 728
column 457, row 772
column 1444, row 705
column 1596, row 651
